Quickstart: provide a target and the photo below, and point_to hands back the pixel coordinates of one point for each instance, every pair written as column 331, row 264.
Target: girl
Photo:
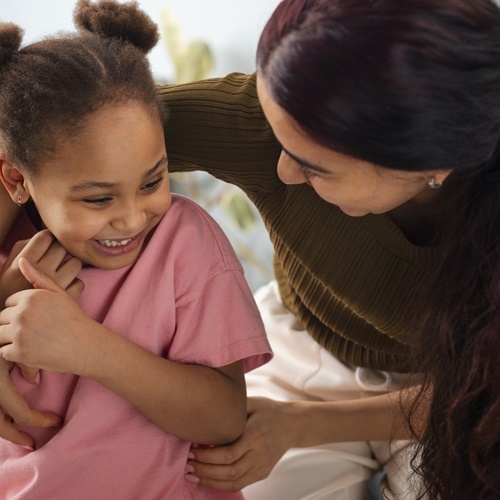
column 152, row 357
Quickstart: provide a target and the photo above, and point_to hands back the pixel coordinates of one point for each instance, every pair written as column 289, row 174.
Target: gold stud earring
column 433, row 184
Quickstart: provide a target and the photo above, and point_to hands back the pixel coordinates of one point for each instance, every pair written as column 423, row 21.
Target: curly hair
column 48, row 88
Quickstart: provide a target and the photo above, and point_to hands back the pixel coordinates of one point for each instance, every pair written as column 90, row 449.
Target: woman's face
column 355, row 186
column 107, row 187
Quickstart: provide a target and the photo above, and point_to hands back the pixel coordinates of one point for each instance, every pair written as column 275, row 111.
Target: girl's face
column 355, row 186
column 106, row 188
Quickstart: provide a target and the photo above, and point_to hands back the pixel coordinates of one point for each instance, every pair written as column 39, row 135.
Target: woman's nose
column 289, row 171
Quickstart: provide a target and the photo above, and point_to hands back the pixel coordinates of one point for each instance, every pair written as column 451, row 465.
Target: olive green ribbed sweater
column 348, row 280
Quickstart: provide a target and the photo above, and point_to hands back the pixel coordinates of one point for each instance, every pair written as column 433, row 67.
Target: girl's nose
column 289, row 171
column 131, row 219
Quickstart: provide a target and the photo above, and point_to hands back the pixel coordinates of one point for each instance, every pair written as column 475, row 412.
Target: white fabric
column 302, row 370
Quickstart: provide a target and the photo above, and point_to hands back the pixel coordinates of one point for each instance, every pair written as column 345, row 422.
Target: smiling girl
column 152, row 356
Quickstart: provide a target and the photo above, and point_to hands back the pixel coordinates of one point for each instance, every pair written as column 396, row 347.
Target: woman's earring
column 433, row 184
column 19, row 200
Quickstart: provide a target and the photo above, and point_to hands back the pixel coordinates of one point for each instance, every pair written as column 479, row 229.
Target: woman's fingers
column 9, row 432
column 30, row 373
column 224, row 475
column 250, row 458
column 16, row 409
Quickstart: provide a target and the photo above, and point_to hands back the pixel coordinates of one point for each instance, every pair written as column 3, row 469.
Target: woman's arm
column 274, row 427
column 217, row 125
column 376, row 418
column 195, row 403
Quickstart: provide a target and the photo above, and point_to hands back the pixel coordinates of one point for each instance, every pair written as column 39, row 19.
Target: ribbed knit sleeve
column 350, row 281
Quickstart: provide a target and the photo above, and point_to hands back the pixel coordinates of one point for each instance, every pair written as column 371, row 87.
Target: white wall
column 230, row 27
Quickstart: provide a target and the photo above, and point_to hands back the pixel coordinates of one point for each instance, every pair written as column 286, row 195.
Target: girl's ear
column 13, row 180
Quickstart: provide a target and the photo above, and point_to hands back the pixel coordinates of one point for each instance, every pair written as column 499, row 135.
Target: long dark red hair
column 415, row 85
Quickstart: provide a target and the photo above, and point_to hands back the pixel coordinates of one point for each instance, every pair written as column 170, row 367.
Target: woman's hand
column 274, row 427
column 43, row 327
column 14, row 409
column 270, row 431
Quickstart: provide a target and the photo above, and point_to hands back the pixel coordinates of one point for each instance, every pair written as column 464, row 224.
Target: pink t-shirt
column 185, row 299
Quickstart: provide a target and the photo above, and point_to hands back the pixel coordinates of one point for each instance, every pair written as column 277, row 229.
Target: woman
column 383, row 216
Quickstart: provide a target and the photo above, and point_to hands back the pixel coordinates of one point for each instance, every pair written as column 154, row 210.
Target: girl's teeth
column 114, row 243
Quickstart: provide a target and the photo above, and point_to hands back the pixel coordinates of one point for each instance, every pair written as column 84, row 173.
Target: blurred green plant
column 193, row 60
column 228, row 205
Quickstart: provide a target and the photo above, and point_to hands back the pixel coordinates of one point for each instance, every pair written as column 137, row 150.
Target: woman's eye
column 151, row 185
column 308, row 173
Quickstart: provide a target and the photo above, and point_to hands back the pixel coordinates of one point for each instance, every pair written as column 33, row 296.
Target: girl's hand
column 14, row 409
column 48, row 256
column 269, row 433
column 44, row 327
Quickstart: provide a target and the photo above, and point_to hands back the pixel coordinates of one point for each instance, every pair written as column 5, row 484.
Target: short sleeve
column 221, row 326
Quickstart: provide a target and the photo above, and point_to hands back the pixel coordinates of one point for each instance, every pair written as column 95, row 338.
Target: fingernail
column 189, row 468
column 27, row 447
column 191, row 455
column 192, row 478
column 37, row 378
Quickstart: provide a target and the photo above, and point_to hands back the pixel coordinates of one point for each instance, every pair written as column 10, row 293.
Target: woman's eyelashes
column 307, row 172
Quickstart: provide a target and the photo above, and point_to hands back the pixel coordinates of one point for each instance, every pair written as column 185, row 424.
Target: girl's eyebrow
column 108, row 185
column 306, row 164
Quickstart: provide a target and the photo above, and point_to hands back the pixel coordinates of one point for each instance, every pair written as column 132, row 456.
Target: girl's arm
column 192, row 402
column 195, row 403
column 274, row 427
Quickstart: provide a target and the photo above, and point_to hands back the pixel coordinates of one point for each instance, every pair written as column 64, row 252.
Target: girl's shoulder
column 192, row 230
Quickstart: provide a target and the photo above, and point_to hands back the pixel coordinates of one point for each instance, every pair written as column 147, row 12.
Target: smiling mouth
column 116, row 243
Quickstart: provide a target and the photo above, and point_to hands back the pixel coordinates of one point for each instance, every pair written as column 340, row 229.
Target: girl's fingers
column 75, row 289
column 67, row 272
column 38, row 278
column 38, row 246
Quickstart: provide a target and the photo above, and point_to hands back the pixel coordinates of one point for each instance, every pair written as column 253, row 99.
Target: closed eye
column 310, row 174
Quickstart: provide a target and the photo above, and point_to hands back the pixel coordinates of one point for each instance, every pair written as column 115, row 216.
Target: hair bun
column 11, row 36
column 110, row 19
